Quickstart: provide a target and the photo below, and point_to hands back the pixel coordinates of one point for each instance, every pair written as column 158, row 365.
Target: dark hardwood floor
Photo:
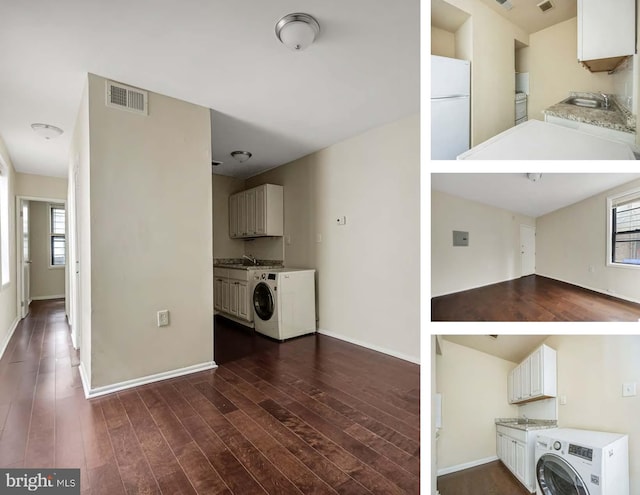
column 312, row 415
column 532, row 298
column 492, row 478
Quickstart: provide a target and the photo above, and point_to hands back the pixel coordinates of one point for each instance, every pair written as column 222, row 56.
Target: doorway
column 527, row 250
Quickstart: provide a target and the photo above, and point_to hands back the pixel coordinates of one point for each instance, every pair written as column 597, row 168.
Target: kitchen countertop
column 619, row 119
column 244, row 264
column 531, row 424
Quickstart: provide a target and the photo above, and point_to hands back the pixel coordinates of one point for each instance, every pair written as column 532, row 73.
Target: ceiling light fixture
column 297, row 31
column 241, row 156
column 47, row 131
column 534, row 177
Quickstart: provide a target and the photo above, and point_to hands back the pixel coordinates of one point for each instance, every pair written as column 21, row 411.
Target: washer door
column 263, row 301
column 557, row 477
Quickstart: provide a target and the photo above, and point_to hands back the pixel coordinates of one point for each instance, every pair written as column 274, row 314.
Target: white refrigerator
column 450, row 107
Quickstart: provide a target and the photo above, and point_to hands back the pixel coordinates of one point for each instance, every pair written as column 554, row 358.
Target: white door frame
column 522, row 268
column 19, row 247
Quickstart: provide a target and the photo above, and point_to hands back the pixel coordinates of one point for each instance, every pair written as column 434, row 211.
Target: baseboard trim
column 46, row 298
column 12, row 329
column 467, row 465
column 475, row 287
column 86, row 385
column 136, row 382
column 383, row 350
column 599, row 291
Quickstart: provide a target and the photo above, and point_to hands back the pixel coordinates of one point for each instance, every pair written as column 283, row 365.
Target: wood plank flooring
column 492, row 478
column 312, row 415
column 532, row 298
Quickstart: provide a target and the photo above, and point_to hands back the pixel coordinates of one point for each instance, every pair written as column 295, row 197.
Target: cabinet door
column 225, row 295
column 606, row 29
column 233, row 216
column 525, row 376
column 217, row 294
column 499, row 437
column 250, row 205
column 536, row 373
column 510, row 453
column 517, row 384
column 243, row 300
column 519, row 463
column 242, row 214
column 261, row 210
column 233, row 298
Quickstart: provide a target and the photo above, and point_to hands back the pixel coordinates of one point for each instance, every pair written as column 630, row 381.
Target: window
column 624, row 214
column 58, row 255
column 4, row 225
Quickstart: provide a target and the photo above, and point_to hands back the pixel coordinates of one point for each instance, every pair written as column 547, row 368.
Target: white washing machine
column 284, row 302
column 581, row 462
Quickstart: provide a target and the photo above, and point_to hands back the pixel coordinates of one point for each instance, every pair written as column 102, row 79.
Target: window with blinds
column 57, row 246
column 625, row 229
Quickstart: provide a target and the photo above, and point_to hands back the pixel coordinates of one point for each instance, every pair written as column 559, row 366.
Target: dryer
column 284, row 303
column 581, row 462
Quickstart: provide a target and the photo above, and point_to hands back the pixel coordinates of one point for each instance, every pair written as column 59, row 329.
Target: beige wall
column 493, row 254
column 8, row 309
column 474, row 392
column 41, row 186
column 464, row 41
column 523, row 59
column 367, row 270
column 492, row 69
column 560, row 256
column 591, row 371
column 45, row 282
column 223, row 245
column 443, row 43
column 151, row 237
column 554, row 69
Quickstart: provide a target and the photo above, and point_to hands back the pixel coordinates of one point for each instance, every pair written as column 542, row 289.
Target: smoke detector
column 505, row 4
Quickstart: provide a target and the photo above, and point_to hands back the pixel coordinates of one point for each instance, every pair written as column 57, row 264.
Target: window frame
column 5, row 226
column 632, row 194
column 56, row 235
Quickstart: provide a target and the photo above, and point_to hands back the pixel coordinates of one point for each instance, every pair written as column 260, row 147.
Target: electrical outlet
column 628, row 389
column 163, row 318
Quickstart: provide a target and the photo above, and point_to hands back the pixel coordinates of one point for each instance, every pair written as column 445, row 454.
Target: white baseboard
column 86, row 385
column 475, row 287
column 367, row 345
column 467, row 465
column 46, row 298
column 136, row 382
column 600, row 291
column 6, row 340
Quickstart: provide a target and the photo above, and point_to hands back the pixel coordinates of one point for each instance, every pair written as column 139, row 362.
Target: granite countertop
column 527, row 424
column 618, row 118
column 245, row 264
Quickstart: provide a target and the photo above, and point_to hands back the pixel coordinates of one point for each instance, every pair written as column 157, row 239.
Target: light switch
column 563, row 400
column 341, row 220
column 628, row 389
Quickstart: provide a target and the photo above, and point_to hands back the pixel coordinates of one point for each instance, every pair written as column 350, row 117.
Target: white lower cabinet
column 231, row 294
column 515, row 448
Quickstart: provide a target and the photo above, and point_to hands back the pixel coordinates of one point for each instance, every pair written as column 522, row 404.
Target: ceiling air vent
column 127, row 98
column 545, row 6
column 505, row 4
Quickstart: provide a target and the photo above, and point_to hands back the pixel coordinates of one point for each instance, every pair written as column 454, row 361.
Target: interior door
column 25, row 258
column 527, row 250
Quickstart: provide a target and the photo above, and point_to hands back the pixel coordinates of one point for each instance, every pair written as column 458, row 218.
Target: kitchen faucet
column 253, row 260
column 606, row 100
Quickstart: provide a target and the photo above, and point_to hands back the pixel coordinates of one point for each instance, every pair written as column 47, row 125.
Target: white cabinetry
column 516, row 449
column 257, row 212
column 606, row 29
column 534, row 378
column 594, row 130
column 231, row 294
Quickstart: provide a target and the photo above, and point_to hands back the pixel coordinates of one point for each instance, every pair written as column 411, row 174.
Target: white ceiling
column 516, row 193
column 362, row 71
column 510, row 347
column 524, row 14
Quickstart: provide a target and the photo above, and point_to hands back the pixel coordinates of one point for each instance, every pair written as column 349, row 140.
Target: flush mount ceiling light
column 47, row 131
column 297, row 31
column 241, row 156
column 534, row 177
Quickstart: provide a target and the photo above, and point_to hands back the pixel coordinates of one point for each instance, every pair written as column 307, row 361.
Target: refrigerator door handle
column 452, row 97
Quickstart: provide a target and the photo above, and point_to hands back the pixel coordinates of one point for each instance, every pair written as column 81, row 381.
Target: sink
column 586, row 103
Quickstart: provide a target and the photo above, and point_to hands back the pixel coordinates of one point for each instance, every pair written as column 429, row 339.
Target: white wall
column 223, row 245
column 41, row 186
column 443, row 43
column 151, row 237
column 574, row 238
column 45, row 282
column 367, row 276
column 493, row 254
column 473, row 385
column 8, row 308
column 591, row 371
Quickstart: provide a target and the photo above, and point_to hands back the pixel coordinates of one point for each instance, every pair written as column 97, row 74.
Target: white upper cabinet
column 534, row 378
column 606, row 29
column 257, row 212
